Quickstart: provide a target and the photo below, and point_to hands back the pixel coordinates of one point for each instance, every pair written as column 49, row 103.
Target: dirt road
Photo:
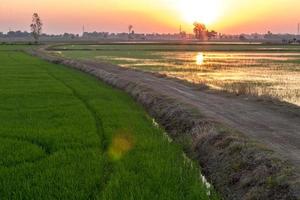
column 274, row 126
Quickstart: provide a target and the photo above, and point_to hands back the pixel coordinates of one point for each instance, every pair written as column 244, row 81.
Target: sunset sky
column 226, row 16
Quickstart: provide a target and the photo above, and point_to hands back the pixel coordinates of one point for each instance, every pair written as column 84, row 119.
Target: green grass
column 13, row 47
column 66, row 135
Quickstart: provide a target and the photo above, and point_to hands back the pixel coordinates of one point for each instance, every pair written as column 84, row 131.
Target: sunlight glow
column 202, row 11
column 199, row 59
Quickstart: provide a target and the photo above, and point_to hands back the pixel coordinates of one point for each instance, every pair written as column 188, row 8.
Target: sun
column 203, row 11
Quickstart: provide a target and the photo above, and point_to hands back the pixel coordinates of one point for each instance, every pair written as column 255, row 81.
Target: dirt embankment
column 238, row 167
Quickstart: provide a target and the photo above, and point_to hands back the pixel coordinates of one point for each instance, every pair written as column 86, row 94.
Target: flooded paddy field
column 266, row 71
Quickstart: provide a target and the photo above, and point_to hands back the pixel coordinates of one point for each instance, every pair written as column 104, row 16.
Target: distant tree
column 294, row 40
column 130, row 32
column 242, row 37
column 183, row 34
column 269, row 35
column 36, row 27
column 200, row 31
column 15, row 34
column 211, row 34
column 130, row 27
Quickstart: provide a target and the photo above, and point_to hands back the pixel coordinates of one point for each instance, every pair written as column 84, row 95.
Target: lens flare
column 121, row 144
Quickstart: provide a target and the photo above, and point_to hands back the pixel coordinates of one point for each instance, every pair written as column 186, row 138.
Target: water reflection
column 200, row 58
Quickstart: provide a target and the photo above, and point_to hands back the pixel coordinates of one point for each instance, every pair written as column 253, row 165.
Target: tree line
column 36, row 27
column 202, row 33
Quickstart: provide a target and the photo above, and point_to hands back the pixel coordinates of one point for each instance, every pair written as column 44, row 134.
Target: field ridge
column 217, row 148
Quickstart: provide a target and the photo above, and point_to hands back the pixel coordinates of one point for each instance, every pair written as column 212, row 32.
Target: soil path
column 278, row 127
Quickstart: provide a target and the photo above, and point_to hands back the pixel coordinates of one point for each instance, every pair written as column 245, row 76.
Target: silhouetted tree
column 15, row 34
column 269, row 35
column 211, row 34
column 130, row 32
column 295, row 40
column 130, row 27
column 183, row 34
column 200, row 31
column 242, row 37
column 36, row 27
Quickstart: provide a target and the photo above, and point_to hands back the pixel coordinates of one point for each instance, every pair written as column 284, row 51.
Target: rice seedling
column 65, row 135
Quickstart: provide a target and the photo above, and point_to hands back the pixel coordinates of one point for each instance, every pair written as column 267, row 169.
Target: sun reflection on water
column 200, row 58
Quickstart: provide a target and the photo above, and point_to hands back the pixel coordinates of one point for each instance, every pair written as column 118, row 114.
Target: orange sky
column 227, row 16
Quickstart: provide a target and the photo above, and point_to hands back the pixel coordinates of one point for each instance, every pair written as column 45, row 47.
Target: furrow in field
column 107, row 166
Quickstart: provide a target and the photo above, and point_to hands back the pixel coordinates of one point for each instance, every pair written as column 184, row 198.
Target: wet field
column 271, row 72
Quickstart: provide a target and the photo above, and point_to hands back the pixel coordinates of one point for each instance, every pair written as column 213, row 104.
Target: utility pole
column 298, row 28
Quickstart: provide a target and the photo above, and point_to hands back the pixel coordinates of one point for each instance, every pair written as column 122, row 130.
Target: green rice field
column 65, row 135
column 265, row 71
